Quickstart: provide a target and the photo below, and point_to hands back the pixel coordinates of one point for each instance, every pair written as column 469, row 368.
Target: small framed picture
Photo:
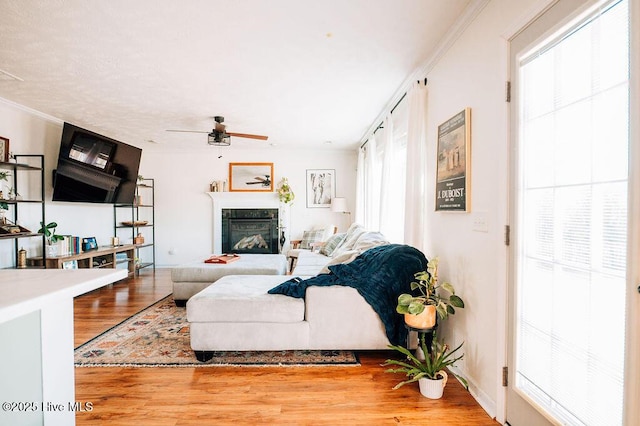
column 4, row 149
column 89, row 243
column 251, row 177
column 321, row 187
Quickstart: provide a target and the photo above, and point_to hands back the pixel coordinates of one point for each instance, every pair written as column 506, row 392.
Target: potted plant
column 285, row 193
column 49, row 232
column 430, row 373
column 420, row 310
column 4, row 176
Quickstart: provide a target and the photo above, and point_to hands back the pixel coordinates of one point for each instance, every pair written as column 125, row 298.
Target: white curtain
column 386, row 207
column 360, row 188
column 415, row 192
column 372, row 186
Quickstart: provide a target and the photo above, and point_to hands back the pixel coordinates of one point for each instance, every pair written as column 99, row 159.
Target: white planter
column 52, row 250
column 433, row 389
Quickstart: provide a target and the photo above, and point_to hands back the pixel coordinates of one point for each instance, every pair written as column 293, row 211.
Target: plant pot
column 426, row 319
column 52, row 250
column 433, row 389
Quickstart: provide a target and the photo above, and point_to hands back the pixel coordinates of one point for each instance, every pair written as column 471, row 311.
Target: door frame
column 632, row 353
column 631, row 413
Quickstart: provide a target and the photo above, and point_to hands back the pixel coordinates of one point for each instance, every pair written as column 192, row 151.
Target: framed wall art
column 321, row 187
column 4, row 149
column 453, row 175
column 251, row 177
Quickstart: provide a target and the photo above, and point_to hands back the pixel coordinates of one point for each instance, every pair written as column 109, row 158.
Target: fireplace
column 250, row 231
column 240, row 200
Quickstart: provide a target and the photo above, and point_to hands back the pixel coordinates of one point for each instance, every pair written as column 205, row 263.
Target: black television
column 95, row 169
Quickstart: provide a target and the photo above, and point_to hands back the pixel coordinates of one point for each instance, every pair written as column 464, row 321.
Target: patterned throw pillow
column 311, row 237
column 331, row 244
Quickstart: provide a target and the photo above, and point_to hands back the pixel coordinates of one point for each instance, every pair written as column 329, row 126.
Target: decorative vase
column 433, row 389
column 424, row 320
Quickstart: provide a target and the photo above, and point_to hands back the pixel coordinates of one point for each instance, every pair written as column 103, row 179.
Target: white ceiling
column 302, row 72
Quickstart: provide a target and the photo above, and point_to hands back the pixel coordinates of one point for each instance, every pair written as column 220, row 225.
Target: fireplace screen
column 250, row 230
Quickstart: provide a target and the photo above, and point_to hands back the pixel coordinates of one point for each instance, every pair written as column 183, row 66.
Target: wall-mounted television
column 95, row 169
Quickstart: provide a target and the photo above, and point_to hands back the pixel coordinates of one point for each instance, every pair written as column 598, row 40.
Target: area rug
column 158, row 336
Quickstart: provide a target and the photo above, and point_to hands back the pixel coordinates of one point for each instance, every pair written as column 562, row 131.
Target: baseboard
column 485, row 401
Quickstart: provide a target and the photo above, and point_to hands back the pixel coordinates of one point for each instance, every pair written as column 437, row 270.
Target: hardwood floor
column 245, row 395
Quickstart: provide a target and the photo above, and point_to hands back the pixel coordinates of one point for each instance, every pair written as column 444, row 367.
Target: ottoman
column 191, row 278
column 237, row 314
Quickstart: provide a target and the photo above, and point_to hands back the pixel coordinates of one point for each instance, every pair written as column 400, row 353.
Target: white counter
column 37, row 380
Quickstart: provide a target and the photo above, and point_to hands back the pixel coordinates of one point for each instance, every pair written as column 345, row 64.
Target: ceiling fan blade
column 248, row 136
column 188, row 131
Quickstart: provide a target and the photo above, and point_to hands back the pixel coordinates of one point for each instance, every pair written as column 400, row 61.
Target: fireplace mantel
column 237, row 200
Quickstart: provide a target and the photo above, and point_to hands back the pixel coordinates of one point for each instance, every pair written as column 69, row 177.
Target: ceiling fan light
column 218, row 139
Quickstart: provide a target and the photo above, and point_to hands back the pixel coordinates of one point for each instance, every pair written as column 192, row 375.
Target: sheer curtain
column 386, row 207
column 415, row 197
column 372, row 186
column 360, row 188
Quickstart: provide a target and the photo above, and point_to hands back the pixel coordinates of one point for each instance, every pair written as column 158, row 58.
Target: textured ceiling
column 302, row 72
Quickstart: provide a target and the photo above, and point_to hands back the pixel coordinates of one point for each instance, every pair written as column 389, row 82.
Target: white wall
column 182, row 176
column 184, row 210
column 473, row 74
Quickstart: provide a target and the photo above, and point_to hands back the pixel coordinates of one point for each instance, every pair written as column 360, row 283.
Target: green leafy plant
column 429, row 294
column 432, row 367
column 49, row 232
column 285, row 193
column 4, row 175
column 4, row 206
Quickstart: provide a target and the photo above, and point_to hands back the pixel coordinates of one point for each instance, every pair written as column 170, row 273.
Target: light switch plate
column 480, row 222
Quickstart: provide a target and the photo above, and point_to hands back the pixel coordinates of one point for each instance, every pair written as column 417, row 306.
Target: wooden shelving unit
column 24, row 164
column 130, row 220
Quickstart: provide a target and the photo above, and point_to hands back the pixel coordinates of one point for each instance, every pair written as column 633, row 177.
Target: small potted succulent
column 420, row 310
column 430, row 373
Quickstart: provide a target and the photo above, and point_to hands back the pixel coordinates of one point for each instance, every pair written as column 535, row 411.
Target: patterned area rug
column 158, row 336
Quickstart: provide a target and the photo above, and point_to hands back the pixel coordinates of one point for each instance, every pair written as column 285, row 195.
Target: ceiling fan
column 219, row 136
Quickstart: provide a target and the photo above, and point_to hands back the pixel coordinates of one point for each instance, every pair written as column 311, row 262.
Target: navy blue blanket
column 380, row 275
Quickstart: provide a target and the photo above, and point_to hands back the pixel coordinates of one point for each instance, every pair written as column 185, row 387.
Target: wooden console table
column 102, row 257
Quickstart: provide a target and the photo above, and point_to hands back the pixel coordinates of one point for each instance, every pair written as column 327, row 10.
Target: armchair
column 312, row 240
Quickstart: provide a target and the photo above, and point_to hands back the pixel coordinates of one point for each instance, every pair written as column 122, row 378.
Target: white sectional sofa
column 342, row 301
column 237, row 314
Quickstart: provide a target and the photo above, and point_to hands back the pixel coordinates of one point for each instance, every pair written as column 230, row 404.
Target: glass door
column 568, row 278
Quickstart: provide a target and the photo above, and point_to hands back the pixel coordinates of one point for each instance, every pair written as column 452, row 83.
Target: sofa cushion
column 353, row 233
column 312, row 236
column 332, row 243
column 244, row 298
column 309, row 263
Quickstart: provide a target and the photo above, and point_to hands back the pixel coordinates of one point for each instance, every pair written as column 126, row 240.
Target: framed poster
column 453, row 175
column 4, row 149
column 251, row 177
column 321, row 187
